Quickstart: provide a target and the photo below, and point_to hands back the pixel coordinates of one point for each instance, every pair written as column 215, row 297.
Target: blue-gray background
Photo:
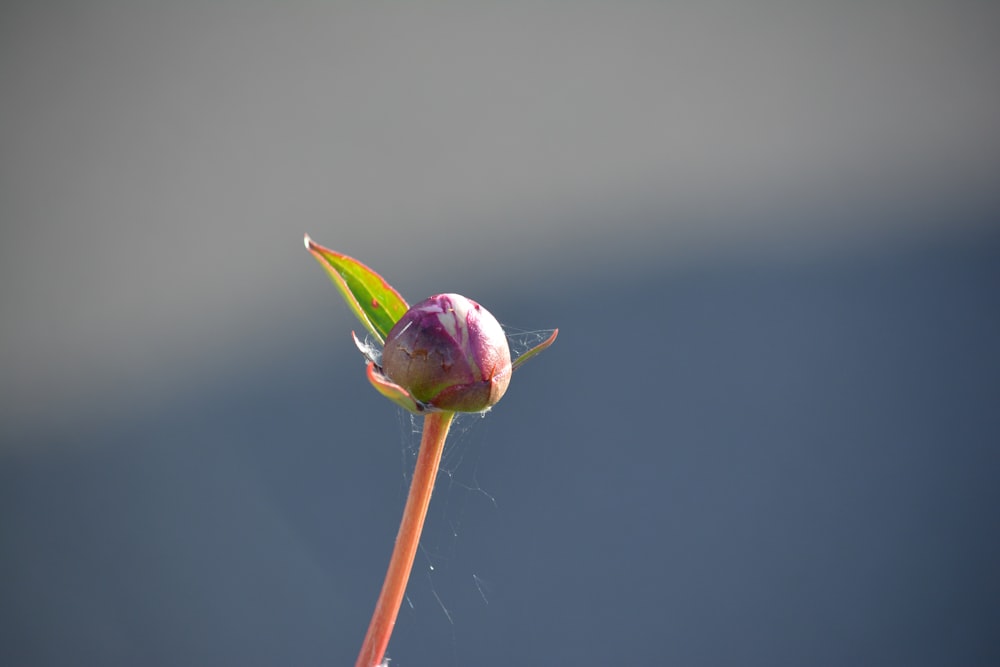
column 768, row 232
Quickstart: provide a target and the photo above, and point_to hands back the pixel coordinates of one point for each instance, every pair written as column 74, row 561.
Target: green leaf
column 372, row 299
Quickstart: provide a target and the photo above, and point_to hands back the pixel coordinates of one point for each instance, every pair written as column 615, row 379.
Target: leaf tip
column 308, row 242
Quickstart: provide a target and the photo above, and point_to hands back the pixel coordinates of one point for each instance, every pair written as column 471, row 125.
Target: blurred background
column 768, row 232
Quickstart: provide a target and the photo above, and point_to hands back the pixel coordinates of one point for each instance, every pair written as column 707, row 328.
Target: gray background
column 768, row 232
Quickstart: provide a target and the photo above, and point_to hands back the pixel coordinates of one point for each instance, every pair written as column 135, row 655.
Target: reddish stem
column 436, row 427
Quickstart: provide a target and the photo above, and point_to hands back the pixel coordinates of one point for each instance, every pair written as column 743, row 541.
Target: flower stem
column 436, row 425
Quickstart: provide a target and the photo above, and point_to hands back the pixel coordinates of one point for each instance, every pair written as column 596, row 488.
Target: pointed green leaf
column 372, row 299
column 535, row 350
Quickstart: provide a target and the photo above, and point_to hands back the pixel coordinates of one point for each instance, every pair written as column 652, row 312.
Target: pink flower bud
column 449, row 353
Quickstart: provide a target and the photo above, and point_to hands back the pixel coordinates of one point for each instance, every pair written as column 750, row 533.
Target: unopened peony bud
column 450, row 353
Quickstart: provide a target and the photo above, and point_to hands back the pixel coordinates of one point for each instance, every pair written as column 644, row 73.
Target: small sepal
column 535, row 350
column 393, row 391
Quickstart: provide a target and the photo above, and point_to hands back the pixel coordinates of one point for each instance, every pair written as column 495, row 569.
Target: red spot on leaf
column 374, row 303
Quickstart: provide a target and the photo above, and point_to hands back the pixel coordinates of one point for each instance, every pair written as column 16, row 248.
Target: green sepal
column 393, row 391
column 535, row 350
column 374, row 301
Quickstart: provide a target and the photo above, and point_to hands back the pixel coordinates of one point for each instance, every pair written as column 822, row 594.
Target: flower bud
column 450, row 353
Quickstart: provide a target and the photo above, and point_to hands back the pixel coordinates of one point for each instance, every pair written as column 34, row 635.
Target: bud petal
column 450, row 353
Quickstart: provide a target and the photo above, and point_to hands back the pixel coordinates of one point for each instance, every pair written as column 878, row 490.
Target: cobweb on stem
column 460, row 460
column 456, row 490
